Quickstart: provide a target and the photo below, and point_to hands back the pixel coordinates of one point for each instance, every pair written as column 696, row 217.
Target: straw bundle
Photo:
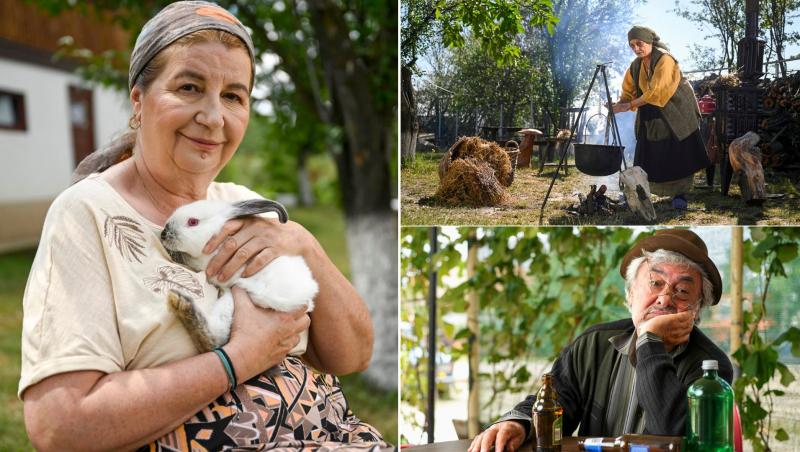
column 470, row 182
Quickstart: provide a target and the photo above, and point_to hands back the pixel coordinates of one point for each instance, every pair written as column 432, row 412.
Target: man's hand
column 506, row 435
column 673, row 329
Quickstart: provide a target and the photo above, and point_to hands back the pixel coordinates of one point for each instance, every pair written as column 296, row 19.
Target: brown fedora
column 681, row 241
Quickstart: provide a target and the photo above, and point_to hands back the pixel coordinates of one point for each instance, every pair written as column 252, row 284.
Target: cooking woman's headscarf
column 647, row 35
column 178, row 20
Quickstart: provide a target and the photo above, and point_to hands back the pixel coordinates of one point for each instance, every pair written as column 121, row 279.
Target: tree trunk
column 364, row 181
column 303, row 181
column 409, row 127
column 372, row 244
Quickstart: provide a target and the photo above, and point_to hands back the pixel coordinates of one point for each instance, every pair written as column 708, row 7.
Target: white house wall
column 37, row 163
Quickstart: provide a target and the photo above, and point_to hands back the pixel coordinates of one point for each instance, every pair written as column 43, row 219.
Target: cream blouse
column 96, row 294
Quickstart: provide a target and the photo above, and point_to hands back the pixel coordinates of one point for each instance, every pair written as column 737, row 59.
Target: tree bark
column 372, row 244
column 364, row 175
column 409, row 127
column 303, row 181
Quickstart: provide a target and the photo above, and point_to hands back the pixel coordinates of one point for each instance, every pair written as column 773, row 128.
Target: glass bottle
column 632, row 443
column 547, row 415
column 709, row 420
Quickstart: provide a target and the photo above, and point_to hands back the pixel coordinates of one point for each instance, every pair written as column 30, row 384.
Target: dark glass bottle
column 632, row 443
column 547, row 415
column 709, row 419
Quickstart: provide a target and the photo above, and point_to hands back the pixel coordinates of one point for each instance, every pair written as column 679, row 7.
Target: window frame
column 18, row 103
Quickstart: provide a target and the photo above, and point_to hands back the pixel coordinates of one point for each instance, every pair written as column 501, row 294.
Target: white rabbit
column 284, row 284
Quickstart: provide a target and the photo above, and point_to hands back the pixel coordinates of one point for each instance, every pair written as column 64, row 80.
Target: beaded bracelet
column 226, row 362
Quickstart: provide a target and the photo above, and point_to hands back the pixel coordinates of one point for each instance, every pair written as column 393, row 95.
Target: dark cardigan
column 584, row 378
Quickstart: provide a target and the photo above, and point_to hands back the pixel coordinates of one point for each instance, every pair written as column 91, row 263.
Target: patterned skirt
column 290, row 407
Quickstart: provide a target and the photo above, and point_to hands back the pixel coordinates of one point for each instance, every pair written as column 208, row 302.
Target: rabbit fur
column 284, row 284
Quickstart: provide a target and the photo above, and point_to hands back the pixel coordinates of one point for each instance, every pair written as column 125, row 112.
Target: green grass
column 13, row 274
column 370, row 404
column 419, row 181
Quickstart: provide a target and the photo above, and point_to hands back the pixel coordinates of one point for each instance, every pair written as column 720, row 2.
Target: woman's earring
column 134, row 122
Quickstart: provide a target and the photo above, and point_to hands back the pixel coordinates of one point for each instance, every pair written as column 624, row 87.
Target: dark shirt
column 586, row 372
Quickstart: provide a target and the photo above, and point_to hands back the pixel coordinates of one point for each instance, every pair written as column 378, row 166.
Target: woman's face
column 193, row 116
column 641, row 48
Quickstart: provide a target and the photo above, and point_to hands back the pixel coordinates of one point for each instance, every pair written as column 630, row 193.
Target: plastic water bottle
column 709, row 421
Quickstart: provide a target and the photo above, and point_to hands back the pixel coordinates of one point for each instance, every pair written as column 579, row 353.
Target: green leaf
column 765, row 246
column 787, row 377
column 787, row 252
column 781, row 435
column 757, row 234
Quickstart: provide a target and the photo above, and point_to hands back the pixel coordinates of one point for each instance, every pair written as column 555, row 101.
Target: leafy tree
column 465, row 84
column 494, row 23
column 774, row 18
column 726, row 19
column 588, row 32
column 337, row 61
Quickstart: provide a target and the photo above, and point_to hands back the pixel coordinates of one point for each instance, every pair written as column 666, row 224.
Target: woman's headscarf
column 170, row 24
column 647, row 35
column 178, row 20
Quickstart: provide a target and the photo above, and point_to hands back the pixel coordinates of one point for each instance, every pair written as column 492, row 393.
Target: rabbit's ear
column 256, row 206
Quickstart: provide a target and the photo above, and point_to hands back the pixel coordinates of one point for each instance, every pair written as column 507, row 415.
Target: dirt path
column 419, row 181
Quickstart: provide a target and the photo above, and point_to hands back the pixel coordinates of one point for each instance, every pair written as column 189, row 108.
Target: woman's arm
column 662, row 85
column 341, row 335
column 90, row 410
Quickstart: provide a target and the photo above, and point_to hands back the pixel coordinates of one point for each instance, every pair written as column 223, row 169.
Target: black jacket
column 584, row 378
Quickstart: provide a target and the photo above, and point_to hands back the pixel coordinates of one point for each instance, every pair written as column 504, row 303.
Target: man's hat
column 681, row 241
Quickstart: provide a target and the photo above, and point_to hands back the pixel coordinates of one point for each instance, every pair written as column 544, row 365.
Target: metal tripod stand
column 599, row 69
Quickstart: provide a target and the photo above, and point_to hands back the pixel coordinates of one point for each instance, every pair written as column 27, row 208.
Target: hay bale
column 470, row 182
column 481, row 150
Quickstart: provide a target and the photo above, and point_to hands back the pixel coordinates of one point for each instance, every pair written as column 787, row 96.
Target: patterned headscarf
column 178, row 20
column 647, row 35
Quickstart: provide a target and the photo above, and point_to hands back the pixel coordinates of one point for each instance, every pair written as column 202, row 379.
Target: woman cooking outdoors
column 106, row 365
column 668, row 143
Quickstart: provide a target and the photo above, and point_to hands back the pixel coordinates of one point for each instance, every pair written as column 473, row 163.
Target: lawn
column 370, row 404
column 707, row 206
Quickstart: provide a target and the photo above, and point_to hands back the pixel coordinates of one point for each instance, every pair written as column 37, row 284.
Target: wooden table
column 569, row 444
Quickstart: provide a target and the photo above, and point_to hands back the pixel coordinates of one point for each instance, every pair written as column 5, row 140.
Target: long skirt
column 290, row 407
column 666, row 159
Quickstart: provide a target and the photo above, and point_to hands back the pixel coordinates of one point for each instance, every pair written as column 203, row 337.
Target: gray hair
column 662, row 256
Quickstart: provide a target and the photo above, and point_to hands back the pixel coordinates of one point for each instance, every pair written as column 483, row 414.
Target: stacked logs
column 780, row 127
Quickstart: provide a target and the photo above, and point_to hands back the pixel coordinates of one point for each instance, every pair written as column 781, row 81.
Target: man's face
column 661, row 289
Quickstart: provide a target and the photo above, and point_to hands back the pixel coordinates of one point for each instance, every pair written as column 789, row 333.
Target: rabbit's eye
column 193, row 222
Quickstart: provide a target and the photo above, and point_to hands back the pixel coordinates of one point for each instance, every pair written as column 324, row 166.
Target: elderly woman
column 105, row 364
column 668, row 143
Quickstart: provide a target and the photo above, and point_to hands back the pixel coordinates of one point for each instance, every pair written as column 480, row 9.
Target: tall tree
column 726, row 19
column 588, row 32
column 774, row 18
column 494, row 23
column 340, row 58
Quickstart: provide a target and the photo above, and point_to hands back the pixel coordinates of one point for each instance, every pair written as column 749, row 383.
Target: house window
column 12, row 111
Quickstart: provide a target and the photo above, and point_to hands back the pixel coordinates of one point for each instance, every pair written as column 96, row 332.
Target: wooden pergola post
column 473, row 308
column 736, row 288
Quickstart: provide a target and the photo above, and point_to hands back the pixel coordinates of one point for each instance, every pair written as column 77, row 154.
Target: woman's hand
column 255, row 242
column 621, row 107
column 261, row 338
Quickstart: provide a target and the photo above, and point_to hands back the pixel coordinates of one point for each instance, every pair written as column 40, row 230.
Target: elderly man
column 631, row 375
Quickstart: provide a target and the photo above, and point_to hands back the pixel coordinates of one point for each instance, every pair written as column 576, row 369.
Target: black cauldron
column 598, row 159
